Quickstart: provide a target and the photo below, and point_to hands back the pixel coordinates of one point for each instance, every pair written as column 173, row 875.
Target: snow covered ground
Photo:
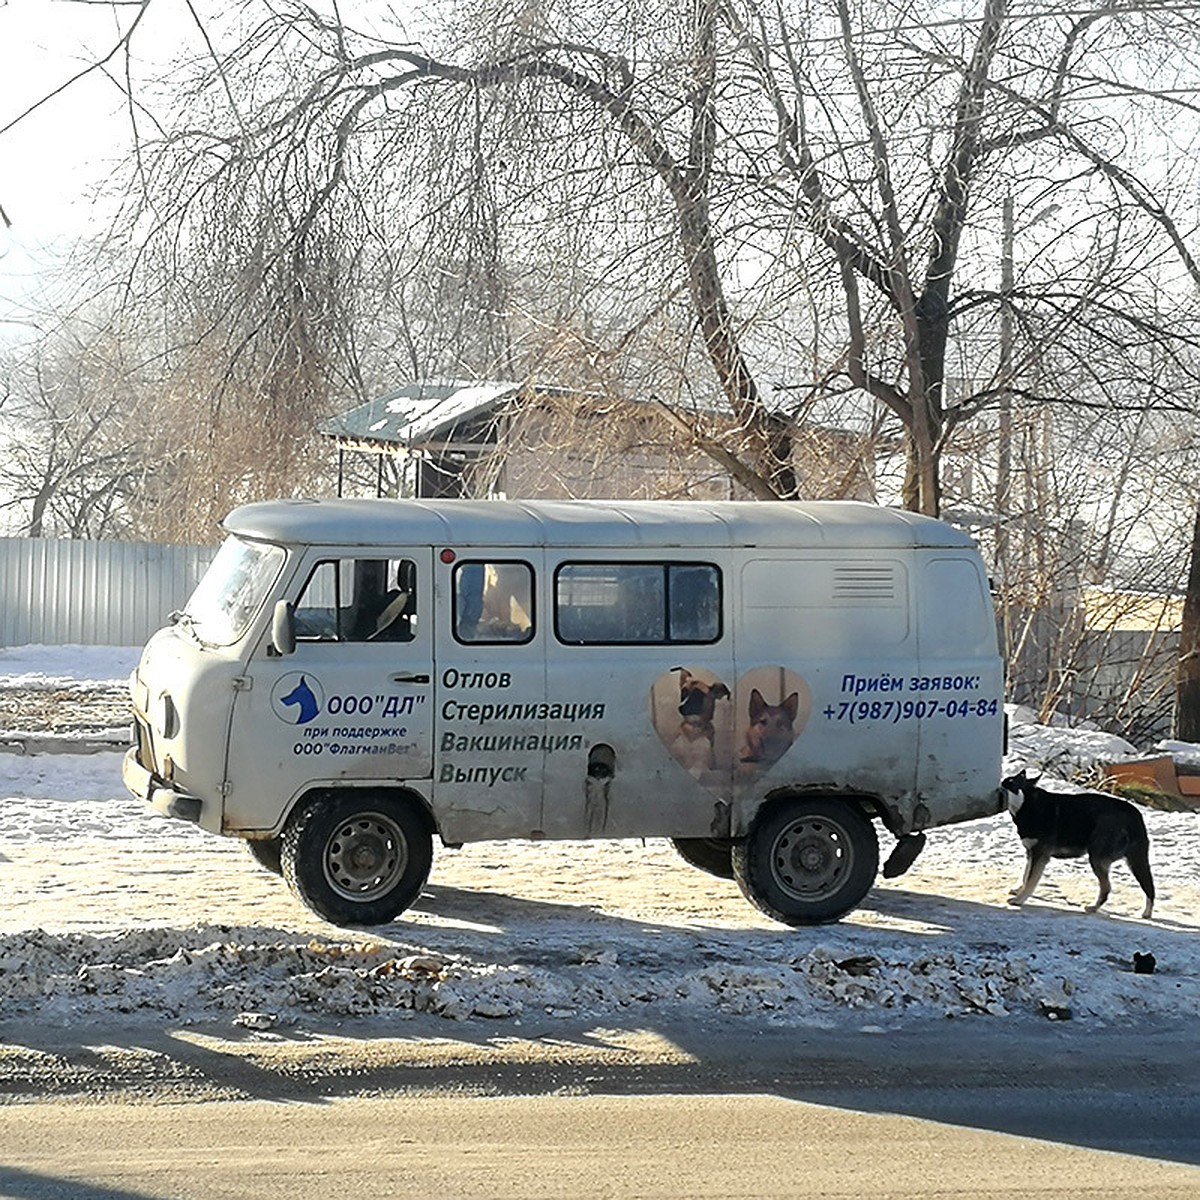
column 107, row 909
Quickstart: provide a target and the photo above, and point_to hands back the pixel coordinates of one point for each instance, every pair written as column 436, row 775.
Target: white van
column 759, row 682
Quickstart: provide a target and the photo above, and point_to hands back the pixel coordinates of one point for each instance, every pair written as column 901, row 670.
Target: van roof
column 589, row 523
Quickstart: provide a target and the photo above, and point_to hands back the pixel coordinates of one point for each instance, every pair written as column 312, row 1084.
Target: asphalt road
column 751, row 1146
column 956, row 1110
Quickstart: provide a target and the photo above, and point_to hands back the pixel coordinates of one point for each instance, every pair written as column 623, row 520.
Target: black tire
column 807, row 862
column 358, row 858
column 709, row 854
column 266, row 852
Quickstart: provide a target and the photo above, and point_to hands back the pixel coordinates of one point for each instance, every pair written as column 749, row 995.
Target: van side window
column 359, row 600
column 637, row 603
column 493, row 602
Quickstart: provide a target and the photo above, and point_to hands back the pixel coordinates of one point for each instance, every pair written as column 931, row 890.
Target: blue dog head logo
column 296, row 699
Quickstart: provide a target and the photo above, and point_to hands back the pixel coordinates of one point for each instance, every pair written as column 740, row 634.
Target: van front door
column 353, row 704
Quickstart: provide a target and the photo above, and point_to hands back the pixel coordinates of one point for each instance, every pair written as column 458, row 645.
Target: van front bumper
column 161, row 796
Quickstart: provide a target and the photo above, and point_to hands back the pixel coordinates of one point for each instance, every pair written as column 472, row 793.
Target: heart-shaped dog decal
column 722, row 736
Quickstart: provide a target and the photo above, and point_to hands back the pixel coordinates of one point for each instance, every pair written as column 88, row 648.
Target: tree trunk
column 922, row 488
column 1187, row 675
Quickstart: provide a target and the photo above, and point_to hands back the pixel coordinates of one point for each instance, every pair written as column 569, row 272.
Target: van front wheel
column 807, row 862
column 358, row 858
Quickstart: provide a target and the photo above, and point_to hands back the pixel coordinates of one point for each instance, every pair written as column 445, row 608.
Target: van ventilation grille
column 865, row 582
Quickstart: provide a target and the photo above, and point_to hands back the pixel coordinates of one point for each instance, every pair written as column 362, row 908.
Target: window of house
column 359, row 600
column 493, row 602
column 637, row 603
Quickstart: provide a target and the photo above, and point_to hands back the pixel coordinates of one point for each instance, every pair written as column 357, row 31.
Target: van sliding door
column 639, row 680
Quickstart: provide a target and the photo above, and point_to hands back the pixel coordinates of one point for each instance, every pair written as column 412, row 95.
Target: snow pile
column 66, row 698
column 1060, row 749
column 261, row 980
column 1185, row 754
column 49, row 667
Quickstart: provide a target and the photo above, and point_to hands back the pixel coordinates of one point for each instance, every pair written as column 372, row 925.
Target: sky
column 52, row 161
column 55, row 160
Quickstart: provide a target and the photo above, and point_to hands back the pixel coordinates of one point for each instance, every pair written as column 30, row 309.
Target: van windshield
column 232, row 590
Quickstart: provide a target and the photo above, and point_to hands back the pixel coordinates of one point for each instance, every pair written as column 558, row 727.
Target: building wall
column 593, row 450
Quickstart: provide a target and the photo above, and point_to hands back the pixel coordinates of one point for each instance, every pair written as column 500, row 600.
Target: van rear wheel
column 709, row 854
column 358, row 858
column 807, row 861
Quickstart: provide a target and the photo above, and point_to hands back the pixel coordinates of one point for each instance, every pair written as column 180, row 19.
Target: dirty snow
column 107, row 909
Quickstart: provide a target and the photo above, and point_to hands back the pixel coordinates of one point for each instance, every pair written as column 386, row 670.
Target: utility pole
column 1004, row 448
column 1004, row 374
column 1187, row 674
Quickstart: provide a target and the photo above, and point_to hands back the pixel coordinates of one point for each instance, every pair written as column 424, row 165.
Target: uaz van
column 762, row 683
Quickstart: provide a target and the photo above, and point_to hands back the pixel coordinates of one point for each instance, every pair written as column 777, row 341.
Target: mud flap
column 904, row 855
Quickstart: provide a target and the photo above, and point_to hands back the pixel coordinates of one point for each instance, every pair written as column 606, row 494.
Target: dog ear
column 757, row 704
column 791, row 705
column 719, row 691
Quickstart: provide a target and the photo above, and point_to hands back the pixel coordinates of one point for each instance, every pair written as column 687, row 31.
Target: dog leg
column 1138, row 859
column 1035, row 864
column 1100, row 866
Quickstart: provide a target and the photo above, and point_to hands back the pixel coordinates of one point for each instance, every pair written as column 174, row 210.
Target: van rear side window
column 637, row 603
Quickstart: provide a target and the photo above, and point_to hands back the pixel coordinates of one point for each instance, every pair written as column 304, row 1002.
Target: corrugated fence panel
column 92, row 593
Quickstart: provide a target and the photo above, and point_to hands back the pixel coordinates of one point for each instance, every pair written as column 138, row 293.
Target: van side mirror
column 283, row 628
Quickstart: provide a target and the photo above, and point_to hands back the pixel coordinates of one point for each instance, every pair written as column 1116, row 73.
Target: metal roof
column 418, row 411
column 589, row 523
column 421, row 412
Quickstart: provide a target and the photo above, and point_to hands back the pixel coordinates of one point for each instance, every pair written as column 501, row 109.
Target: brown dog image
column 772, row 729
column 693, row 745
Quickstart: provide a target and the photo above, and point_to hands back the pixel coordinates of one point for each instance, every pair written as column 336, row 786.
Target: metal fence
column 92, row 593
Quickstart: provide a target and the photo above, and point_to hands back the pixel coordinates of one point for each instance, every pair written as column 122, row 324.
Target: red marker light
column 448, row 556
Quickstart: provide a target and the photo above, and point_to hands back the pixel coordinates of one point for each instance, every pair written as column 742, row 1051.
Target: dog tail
column 1138, row 859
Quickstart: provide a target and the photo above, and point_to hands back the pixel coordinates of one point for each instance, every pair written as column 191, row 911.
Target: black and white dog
column 1072, row 824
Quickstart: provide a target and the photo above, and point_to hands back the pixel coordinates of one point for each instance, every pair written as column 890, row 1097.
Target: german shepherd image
column 772, row 729
column 1072, row 824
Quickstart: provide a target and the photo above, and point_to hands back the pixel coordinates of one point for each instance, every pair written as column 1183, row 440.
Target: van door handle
column 409, row 677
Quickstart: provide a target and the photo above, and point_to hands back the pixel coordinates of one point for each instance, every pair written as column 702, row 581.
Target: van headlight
column 166, row 716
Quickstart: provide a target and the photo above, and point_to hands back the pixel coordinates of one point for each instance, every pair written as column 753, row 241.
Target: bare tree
column 815, row 146
column 813, row 185
column 73, row 460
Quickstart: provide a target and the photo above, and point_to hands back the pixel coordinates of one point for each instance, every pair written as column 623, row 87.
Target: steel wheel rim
column 812, row 858
column 365, row 856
